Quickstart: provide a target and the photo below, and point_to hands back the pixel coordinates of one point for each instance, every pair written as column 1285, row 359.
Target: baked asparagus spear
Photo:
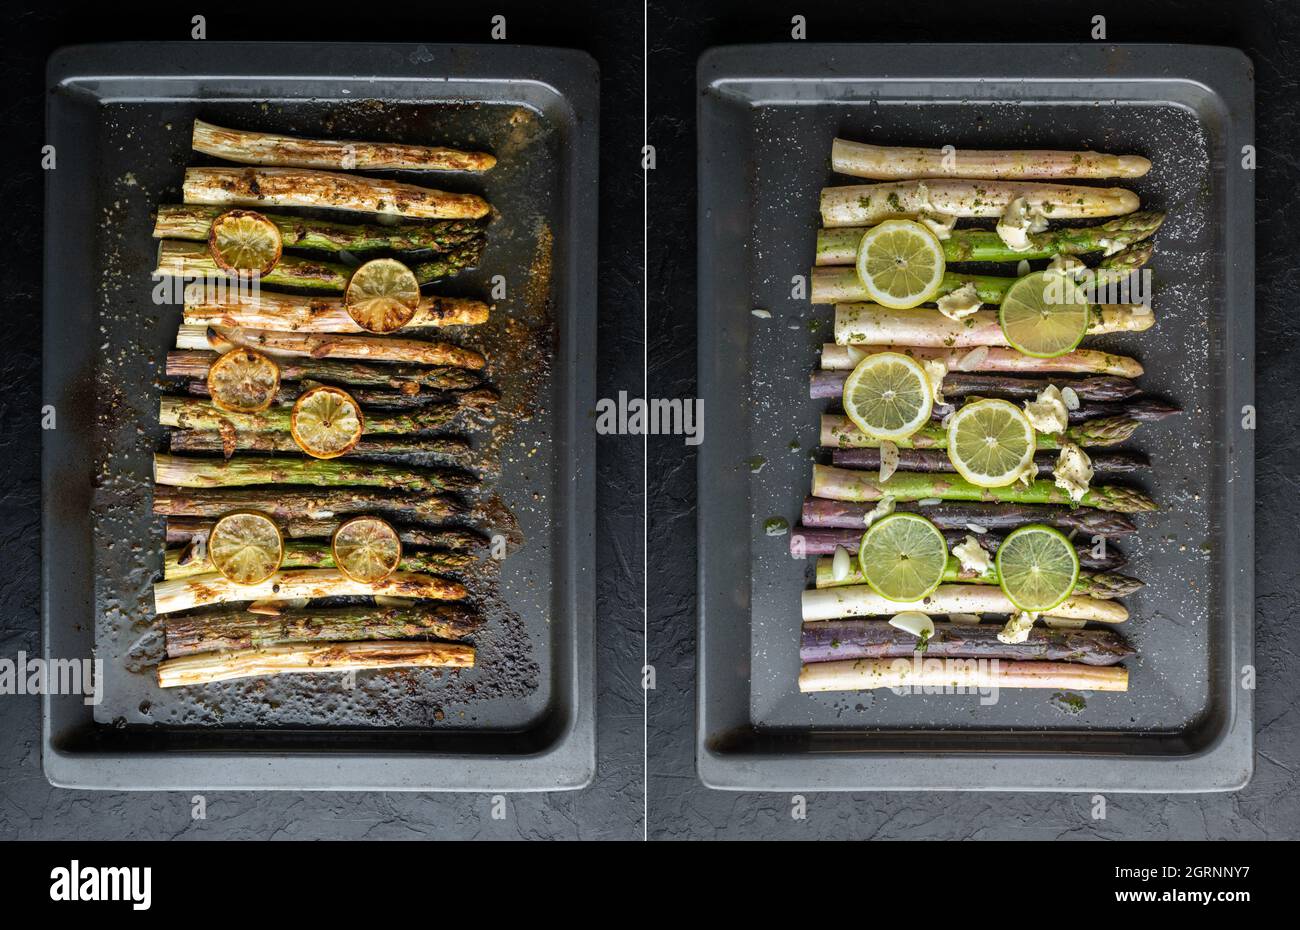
column 323, row 345
column 185, row 472
column 285, row 504
column 295, row 583
column 187, row 561
column 186, row 529
column 412, row 378
column 214, row 306
column 267, row 148
column 208, row 667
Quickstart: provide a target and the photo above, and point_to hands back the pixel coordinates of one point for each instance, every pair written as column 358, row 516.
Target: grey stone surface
column 679, row 806
column 611, row 808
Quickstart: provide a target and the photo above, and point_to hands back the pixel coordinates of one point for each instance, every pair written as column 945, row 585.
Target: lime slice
column 1044, row 314
column 382, row 295
column 246, row 547
column 244, row 242
column 990, row 442
column 326, row 422
column 900, row 263
column 888, row 396
column 903, row 557
column 366, row 549
column 243, row 381
column 1037, row 568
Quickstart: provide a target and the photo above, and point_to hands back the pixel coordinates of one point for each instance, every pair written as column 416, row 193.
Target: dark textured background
column 679, row 806
column 612, row 807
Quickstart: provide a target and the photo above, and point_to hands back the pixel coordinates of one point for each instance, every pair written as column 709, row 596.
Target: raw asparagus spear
column 868, row 204
column 899, row 163
column 961, row 384
column 299, row 187
column 843, row 484
column 837, row 640
column 239, row 629
column 299, row 554
column 842, row 284
column 207, row 667
column 839, row 432
column 871, row 324
column 266, row 148
column 957, row 516
column 840, row 246
column 1139, row 409
column 190, row 221
column 194, row 440
column 292, row 584
column 861, row 601
column 185, row 472
column 268, row 310
column 181, row 259
column 184, row 529
column 933, row 460
column 322, row 345
column 197, row 413
column 865, row 674
column 984, row 358
column 1104, row 585
column 300, row 503
column 813, row 540
column 412, row 378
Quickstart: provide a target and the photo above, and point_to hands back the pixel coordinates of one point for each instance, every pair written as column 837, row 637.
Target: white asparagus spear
column 868, row 204
column 845, row 358
column 301, row 187
column 860, row 601
column 266, row 148
column 967, row 674
column 208, row 667
column 213, row 306
column 288, row 584
column 872, row 324
column 900, row 163
column 324, row 345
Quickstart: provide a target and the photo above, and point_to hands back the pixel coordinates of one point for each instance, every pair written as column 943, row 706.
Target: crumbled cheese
column 1047, row 414
column 1070, row 397
column 1017, row 222
column 1028, row 474
column 935, row 369
column 973, row 557
column 964, row 619
column 914, row 622
column 1022, row 268
column 762, row 314
column 1073, row 471
column 977, row 529
column 888, row 459
column 973, row 359
column 941, row 224
column 840, row 564
column 960, row 303
column 1068, row 265
column 882, row 509
column 1110, row 246
column 1017, row 628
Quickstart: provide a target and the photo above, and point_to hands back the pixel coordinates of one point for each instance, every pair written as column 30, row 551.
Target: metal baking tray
column 119, row 118
column 767, row 115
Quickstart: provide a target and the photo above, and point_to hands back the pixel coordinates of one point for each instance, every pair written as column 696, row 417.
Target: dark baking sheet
column 119, row 117
column 767, row 118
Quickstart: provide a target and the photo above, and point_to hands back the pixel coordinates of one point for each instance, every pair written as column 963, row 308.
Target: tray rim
column 1227, row 763
column 568, row 761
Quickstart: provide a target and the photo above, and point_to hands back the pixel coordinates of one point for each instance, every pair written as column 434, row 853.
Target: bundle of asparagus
column 965, row 350
column 303, row 331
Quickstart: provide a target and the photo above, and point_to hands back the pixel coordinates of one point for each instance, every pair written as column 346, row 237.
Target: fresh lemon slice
column 366, row 549
column 246, row 547
column 903, row 556
column 900, row 263
column 1037, row 568
column 991, row 442
column 1044, row 314
column 243, row 381
column 245, row 243
column 888, row 396
column 326, row 422
column 382, row 295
